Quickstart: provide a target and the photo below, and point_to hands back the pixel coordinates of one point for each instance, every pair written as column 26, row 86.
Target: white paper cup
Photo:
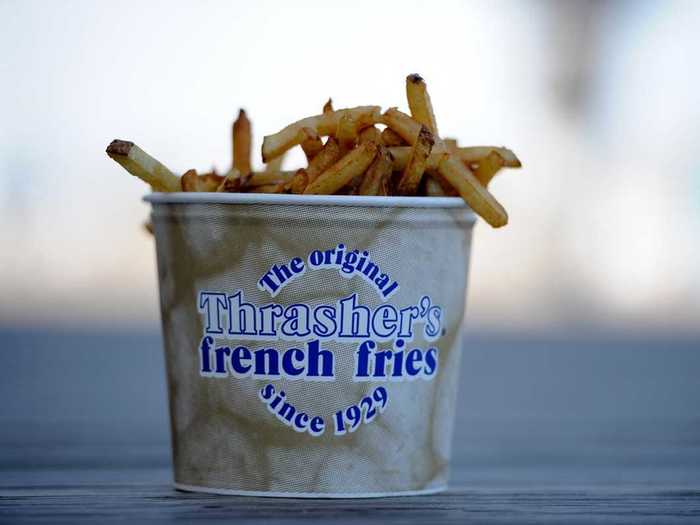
column 312, row 342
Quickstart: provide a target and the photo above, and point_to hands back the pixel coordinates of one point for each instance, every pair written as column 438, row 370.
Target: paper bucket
column 312, row 343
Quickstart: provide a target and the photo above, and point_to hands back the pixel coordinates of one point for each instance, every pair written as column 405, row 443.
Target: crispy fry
column 343, row 171
column 346, row 132
column 415, row 167
column 207, row 182
column 406, row 158
column 274, row 165
column 266, row 188
column 401, row 155
column 268, row 177
column 324, row 124
column 328, row 156
column 469, row 156
column 392, row 139
column 450, row 145
column 190, row 181
column 370, row 133
column 419, row 102
column 475, row 154
column 210, row 181
column 148, row 226
column 378, row 175
column 489, row 167
column 402, row 124
column 311, row 144
column 471, row 190
column 232, row 182
column 435, row 185
column 140, row 164
column 242, row 143
column 294, row 185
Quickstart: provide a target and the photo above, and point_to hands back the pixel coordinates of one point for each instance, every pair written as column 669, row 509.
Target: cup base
column 314, row 495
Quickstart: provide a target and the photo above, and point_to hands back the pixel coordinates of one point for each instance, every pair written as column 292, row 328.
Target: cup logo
column 381, row 336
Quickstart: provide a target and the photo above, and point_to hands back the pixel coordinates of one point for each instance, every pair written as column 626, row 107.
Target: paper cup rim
column 359, row 201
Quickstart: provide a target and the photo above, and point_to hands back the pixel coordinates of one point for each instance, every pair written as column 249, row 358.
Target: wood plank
column 160, row 503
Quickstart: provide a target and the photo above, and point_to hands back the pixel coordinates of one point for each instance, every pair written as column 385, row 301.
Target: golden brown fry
column 378, row 175
column 274, row 165
column 489, row 167
column 328, row 156
column 402, row 124
column 415, row 167
column 268, row 177
column 419, row 102
column 232, row 182
column 346, row 132
column 140, row 164
column 190, row 181
column 299, row 182
column 210, row 182
column 471, row 190
column 207, row 182
column 468, row 155
column 401, row 155
column 311, row 144
column 392, row 139
column 475, row 154
column 328, row 106
column 267, row 188
column 324, row 124
column 435, row 185
column 148, row 226
column 370, row 133
column 242, row 143
column 343, row 171
column 451, row 145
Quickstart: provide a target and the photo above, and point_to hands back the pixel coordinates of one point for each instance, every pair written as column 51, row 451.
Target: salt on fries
column 407, row 157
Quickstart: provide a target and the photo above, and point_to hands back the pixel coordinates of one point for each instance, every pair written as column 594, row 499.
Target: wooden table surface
column 549, row 432
column 95, row 496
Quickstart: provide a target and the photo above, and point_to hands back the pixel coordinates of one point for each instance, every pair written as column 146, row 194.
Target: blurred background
column 583, row 314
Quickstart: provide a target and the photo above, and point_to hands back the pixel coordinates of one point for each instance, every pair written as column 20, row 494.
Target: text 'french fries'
column 346, row 153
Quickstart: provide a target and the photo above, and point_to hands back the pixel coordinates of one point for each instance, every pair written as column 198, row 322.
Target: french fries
column 378, row 175
column 476, row 154
column 471, row 190
column 450, row 145
column 328, row 156
column 140, row 164
column 274, row 165
column 392, row 139
column 346, row 132
column 469, row 156
column 296, row 185
column 311, row 145
column 324, row 124
column 370, row 134
column 242, row 140
column 403, row 125
column 488, row 168
column 232, row 182
column 413, row 172
column 343, row 171
column 268, row 177
column 207, row 182
column 419, row 102
column 406, row 157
